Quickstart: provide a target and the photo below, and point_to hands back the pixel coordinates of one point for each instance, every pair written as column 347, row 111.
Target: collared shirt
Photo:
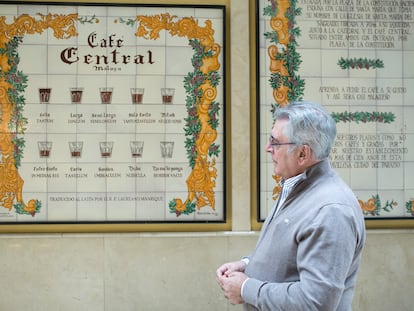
column 287, row 186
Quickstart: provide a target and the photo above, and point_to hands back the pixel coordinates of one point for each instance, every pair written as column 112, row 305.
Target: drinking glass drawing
column 45, row 148
column 106, row 94
column 167, row 95
column 106, row 148
column 167, row 148
column 137, row 148
column 44, row 95
column 76, row 94
column 75, row 148
column 137, row 95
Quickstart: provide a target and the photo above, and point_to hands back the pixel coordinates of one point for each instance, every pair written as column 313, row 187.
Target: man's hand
column 227, row 268
column 231, row 285
column 230, row 277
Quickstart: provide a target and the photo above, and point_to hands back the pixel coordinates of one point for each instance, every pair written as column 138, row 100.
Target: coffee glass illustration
column 76, row 94
column 106, row 148
column 137, row 148
column 45, row 148
column 106, row 94
column 75, row 148
column 167, row 95
column 44, row 95
column 137, row 95
column 167, row 148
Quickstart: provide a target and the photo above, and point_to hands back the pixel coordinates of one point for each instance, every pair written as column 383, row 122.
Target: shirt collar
column 289, row 183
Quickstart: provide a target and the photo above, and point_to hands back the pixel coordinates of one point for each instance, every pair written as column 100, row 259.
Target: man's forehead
column 278, row 130
column 280, row 123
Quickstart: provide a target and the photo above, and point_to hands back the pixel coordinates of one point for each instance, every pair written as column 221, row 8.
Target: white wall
column 169, row 271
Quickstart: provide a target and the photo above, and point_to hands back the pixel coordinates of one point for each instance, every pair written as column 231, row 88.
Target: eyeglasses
column 276, row 144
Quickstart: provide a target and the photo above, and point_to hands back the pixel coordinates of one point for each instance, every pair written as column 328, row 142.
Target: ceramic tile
column 407, row 57
column 312, row 92
column 312, row 39
column 311, row 60
column 366, row 88
column 408, row 44
column 9, row 11
column 408, row 152
column 393, row 69
column 26, row 59
column 105, row 54
column 65, row 210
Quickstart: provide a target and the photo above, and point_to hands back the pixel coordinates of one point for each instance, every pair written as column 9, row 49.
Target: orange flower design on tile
column 276, row 65
column 201, row 181
column 63, row 26
column 4, row 63
column 369, row 206
column 281, row 95
column 278, row 188
column 280, row 24
column 31, row 207
column 11, row 183
column 374, row 207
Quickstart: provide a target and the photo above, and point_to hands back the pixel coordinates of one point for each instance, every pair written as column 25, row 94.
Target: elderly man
column 309, row 250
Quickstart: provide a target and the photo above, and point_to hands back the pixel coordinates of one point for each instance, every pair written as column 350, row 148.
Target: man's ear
column 304, row 154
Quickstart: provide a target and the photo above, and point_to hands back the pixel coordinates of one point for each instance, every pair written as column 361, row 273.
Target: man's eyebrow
column 273, row 138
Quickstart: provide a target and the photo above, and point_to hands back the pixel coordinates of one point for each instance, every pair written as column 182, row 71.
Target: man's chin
column 276, row 172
